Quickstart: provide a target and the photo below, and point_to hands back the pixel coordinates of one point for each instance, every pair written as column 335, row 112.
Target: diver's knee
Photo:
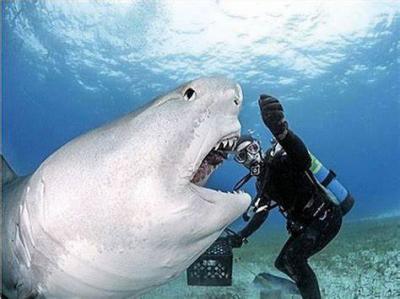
column 290, row 262
column 283, row 262
column 279, row 264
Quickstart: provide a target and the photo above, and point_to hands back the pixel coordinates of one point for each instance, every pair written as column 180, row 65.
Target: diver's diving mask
column 248, row 153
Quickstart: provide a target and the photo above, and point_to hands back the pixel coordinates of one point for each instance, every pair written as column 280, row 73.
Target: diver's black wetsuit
column 312, row 219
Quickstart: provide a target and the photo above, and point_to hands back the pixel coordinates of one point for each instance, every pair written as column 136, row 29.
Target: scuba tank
column 327, row 178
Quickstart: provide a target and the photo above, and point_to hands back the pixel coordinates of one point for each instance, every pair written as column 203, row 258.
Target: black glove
column 237, row 241
column 246, row 216
column 273, row 117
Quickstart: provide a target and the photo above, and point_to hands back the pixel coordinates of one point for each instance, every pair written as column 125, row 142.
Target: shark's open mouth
column 214, row 159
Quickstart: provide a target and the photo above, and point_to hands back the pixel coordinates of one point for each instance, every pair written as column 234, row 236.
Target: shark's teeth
column 226, row 144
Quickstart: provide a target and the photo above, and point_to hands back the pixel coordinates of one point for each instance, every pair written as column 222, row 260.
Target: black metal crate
column 214, row 267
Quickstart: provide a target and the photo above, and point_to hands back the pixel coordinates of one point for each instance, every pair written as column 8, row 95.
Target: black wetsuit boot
column 293, row 259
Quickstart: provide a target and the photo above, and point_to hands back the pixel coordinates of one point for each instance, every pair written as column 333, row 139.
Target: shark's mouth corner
column 214, row 159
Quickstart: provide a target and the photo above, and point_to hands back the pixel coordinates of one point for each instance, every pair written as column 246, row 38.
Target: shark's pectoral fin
column 7, row 173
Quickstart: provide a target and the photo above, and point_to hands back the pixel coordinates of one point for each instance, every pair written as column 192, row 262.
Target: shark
column 123, row 208
column 275, row 287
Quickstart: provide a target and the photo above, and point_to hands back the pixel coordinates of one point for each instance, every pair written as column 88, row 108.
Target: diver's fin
column 7, row 174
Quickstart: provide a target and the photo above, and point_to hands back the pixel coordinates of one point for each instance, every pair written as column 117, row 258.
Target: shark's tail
column 7, row 173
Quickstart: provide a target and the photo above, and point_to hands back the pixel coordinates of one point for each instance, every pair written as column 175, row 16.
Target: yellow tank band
column 315, row 164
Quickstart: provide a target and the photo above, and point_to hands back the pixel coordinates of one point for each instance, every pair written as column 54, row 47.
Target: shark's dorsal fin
column 7, row 174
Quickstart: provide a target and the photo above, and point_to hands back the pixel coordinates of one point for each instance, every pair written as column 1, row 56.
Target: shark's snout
column 229, row 91
column 220, row 99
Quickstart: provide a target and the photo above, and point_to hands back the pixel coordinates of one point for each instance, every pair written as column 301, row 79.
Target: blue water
column 68, row 67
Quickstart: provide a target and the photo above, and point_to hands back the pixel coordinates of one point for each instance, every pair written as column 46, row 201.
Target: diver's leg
column 292, row 260
column 294, row 255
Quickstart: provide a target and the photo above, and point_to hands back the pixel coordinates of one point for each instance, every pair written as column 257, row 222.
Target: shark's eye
column 189, row 94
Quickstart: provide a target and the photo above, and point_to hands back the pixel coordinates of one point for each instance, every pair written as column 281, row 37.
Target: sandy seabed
column 362, row 262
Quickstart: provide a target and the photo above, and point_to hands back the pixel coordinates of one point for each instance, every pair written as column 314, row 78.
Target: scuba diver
column 306, row 193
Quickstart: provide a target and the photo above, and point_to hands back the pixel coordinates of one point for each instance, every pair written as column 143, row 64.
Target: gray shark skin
column 114, row 213
column 273, row 286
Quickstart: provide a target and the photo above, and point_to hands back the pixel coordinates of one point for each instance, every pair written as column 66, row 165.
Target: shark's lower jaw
column 214, row 159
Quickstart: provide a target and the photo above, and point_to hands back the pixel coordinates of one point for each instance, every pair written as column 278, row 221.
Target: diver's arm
column 296, row 150
column 274, row 118
column 256, row 221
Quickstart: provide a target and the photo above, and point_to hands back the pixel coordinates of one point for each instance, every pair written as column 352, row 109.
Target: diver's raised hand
column 273, row 116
